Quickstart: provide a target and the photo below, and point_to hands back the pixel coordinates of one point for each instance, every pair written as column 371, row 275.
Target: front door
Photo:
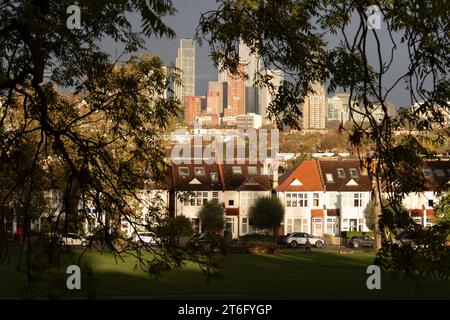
column 317, row 227
column 353, row 225
column 231, row 226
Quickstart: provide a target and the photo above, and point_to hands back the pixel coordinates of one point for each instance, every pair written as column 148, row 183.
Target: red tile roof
column 307, row 173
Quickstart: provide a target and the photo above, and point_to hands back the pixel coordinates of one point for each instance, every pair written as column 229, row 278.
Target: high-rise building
column 265, row 95
column 315, row 108
column 193, row 107
column 253, row 64
column 185, row 62
column 236, row 93
column 217, row 97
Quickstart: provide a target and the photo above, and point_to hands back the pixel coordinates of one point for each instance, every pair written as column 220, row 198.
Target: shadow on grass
column 290, row 275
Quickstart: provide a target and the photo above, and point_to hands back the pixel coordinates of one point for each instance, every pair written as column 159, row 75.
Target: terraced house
column 325, row 196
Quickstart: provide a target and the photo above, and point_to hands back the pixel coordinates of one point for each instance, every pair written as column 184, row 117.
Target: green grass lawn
column 291, row 275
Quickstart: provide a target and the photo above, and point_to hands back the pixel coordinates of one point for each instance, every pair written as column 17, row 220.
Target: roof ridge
column 320, row 175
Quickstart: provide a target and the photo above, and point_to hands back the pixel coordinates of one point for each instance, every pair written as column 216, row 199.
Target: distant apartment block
column 236, row 93
column 249, row 121
column 315, row 108
column 193, row 106
column 185, row 62
column 216, row 97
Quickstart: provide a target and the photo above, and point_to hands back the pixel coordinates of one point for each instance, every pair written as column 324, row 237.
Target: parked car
column 73, row 239
column 145, row 237
column 204, row 240
column 299, row 238
column 361, row 241
column 404, row 239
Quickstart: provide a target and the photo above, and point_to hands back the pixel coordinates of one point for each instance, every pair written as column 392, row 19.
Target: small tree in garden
column 267, row 213
column 212, row 217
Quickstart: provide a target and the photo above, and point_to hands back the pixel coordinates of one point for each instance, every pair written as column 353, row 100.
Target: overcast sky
column 186, row 21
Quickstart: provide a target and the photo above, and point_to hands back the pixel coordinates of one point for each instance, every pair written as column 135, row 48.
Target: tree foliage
column 100, row 143
column 292, row 36
column 267, row 213
column 212, row 217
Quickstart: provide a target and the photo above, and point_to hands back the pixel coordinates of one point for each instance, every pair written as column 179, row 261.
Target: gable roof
column 244, row 180
column 307, row 173
column 192, row 181
column 346, row 182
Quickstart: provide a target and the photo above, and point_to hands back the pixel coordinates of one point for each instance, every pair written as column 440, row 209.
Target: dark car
column 403, row 239
column 361, row 241
column 204, row 241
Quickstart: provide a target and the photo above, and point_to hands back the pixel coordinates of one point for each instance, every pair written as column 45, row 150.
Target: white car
column 145, row 237
column 299, row 238
column 72, row 239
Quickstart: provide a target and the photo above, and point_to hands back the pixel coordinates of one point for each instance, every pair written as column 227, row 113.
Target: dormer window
column 439, row 172
column 252, row 170
column 329, row 177
column 199, row 171
column 427, row 173
column 353, row 173
column 214, row 177
column 341, row 173
column 183, row 171
column 237, row 170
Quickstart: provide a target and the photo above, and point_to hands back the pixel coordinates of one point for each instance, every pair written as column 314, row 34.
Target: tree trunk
column 377, row 214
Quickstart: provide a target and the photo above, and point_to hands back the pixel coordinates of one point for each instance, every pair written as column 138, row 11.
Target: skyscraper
column 253, row 65
column 236, row 93
column 217, row 97
column 185, row 62
column 265, row 96
column 315, row 108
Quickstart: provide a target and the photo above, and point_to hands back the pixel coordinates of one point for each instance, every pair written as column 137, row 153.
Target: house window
column 332, row 200
column 302, row 200
column 430, row 203
column 215, row 196
column 297, row 225
column 237, row 170
column 417, row 220
column 341, row 173
column 439, row 172
column 214, row 177
column 244, row 226
column 331, row 225
column 183, row 171
column 295, row 199
column 252, row 170
column 329, row 177
column 315, row 199
column 199, row 171
column 200, row 199
column 248, row 198
column 195, row 225
column 344, row 224
column 288, row 200
column 357, row 200
column 353, row 173
column 361, row 224
column 231, row 203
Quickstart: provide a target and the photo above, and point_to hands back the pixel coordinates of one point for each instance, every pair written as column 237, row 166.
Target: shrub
column 349, row 234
